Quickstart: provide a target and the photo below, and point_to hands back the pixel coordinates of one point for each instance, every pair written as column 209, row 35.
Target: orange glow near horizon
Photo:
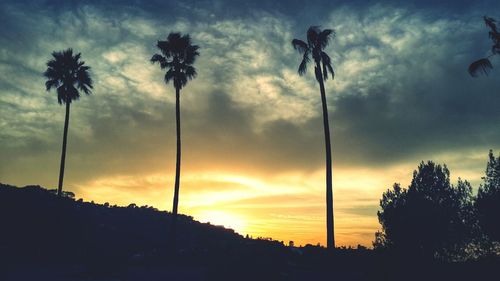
column 287, row 207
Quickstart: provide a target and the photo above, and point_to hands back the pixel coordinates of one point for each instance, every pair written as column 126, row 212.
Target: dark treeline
column 434, row 219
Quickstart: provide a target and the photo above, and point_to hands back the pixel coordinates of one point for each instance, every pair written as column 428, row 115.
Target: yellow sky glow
column 284, row 207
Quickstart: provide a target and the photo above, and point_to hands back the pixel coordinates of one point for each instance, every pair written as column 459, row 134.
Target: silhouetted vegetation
column 488, row 200
column 68, row 75
column 46, row 237
column 435, row 220
column 317, row 41
column 432, row 218
column 177, row 57
column 483, row 65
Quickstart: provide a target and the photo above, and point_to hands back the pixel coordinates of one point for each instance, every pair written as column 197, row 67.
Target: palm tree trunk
column 178, row 157
column 177, row 166
column 330, row 238
column 63, row 153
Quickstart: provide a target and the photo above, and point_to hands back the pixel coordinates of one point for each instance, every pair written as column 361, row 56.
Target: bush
column 430, row 218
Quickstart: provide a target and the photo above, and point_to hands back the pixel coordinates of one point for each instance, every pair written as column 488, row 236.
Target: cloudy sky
column 253, row 152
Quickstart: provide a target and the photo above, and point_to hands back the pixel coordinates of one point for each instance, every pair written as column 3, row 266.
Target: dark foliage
column 432, row 218
column 488, row 199
column 45, row 237
column 317, row 40
column 68, row 75
column 177, row 56
column 483, row 65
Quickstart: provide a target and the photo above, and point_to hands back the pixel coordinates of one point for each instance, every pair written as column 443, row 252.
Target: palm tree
column 68, row 75
column 483, row 66
column 317, row 40
column 177, row 57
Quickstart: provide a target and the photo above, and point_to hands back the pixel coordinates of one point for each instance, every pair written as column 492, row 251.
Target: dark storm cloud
column 401, row 89
column 410, row 93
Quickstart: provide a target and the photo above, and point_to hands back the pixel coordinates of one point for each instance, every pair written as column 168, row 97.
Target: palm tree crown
column 317, row 40
column 177, row 56
column 68, row 75
column 483, row 66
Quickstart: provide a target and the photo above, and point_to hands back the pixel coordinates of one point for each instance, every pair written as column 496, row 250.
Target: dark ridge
column 55, row 229
column 45, row 237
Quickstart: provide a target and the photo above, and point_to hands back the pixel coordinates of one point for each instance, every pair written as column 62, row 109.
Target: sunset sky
column 253, row 146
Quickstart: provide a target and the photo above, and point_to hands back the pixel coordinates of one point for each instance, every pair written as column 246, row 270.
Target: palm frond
column 325, row 71
column 332, row 72
column 165, row 48
column 51, row 83
column 51, row 72
column 75, row 59
column 303, row 64
column 490, row 22
column 302, row 67
column 317, row 73
column 157, row 58
column 72, row 93
column 181, row 80
column 482, row 66
column 300, row 46
column 325, row 36
column 84, row 82
column 61, row 94
column 178, row 43
column 327, row 65
column 169, row 75
column 191, row 53
column 190, row 72
column 312, row 35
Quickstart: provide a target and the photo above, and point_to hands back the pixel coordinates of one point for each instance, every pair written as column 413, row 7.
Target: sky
column 253, row 144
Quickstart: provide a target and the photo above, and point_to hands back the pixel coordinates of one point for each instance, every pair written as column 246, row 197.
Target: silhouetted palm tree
column 177, row 56
column 317, row 40
column 68, row 75
column 483, row 66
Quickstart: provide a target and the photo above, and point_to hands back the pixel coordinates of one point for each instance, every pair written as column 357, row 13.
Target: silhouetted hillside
column 48, row 227
column 37, row 227
column 44, row 237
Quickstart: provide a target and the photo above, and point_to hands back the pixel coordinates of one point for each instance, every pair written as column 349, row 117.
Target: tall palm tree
column 177, row 57
column 68, row 75
column 317, row 40
column 483, row 66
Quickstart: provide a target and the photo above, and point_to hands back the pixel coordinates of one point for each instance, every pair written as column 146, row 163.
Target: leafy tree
column 177, row 56
column 488, row 199
column 483, row 66
column 431, row 217
column 317, row 41
column 68, row 75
